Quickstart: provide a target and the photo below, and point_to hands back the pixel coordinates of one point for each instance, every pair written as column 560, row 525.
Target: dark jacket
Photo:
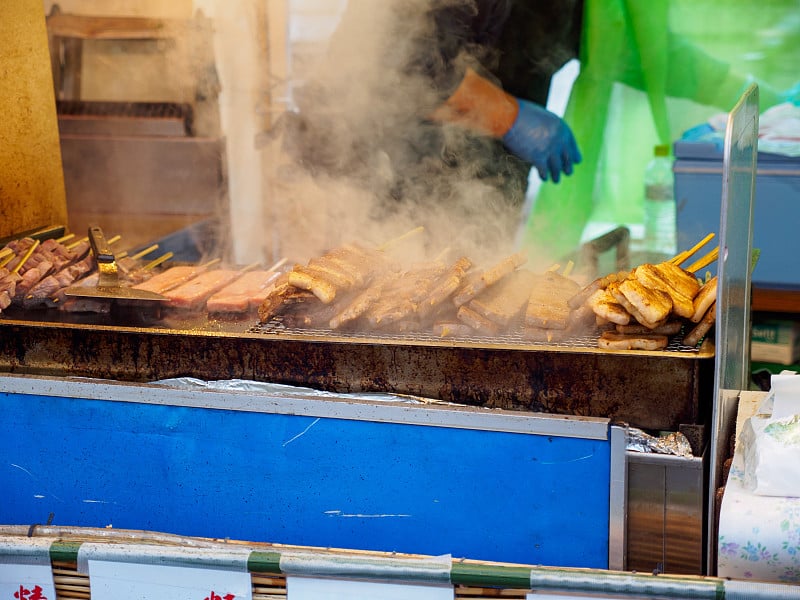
column 518, row 43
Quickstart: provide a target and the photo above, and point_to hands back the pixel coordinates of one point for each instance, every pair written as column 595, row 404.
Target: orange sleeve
column 479, row 104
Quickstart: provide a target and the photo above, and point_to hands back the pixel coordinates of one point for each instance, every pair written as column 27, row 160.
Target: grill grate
column 515, row 339
column 137, row 110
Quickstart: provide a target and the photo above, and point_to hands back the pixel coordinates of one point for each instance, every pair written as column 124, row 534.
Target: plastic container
column 659, row 206
column 698, row 190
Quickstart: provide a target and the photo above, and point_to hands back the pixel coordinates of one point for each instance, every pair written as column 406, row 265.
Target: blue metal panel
column 322, row 482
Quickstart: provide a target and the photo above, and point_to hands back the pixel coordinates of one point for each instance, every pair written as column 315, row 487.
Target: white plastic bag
column 771, row 450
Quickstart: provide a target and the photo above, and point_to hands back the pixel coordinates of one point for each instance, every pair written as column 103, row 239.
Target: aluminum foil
column 675, row 443
column 243, row 385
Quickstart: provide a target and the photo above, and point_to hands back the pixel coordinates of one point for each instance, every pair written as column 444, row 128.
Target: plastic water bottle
column 659, row 206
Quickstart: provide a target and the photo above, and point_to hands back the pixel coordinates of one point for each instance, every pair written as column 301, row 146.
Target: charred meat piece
column 50, row 290
column 281, row 297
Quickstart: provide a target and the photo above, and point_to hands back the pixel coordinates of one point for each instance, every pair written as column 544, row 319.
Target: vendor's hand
column 543, row 139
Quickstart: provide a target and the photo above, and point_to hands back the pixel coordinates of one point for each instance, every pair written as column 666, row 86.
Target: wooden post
column 31, row 176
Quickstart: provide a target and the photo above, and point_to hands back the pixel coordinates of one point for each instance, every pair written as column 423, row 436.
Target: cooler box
column 776, row 229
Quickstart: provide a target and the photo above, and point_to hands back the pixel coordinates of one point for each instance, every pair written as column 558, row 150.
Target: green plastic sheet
column 649, row 70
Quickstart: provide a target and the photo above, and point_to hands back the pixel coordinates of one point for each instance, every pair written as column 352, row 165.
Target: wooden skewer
column 80, row 241
column 64, row 238
column 683, row 256
column 442, row 254
column 26, row 256
column 7, row 259
column 161, row 259
column 278, row 264
column 6, row 252
column 568, row 268
column 399, row 239
column 704, row 261
column 211, row 263
column 553, row 268
column 144, row 252
column 249, row 267
column 114, row 239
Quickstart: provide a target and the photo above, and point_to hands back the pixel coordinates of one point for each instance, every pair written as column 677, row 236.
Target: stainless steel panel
column 665, row 526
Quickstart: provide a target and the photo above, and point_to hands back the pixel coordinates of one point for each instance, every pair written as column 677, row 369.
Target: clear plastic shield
column 732, row 359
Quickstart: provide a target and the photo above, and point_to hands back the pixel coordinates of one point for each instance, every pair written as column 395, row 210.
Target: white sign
column 26, row 582
column 128, row 581
column 309, row 588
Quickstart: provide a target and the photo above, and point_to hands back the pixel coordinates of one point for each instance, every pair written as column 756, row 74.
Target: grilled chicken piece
column 613, row 289
column 679, row 279
column 503, row 302
column 600, row 283
column 619, row 341
column 480, row 281
column 607, row 308
column 652, row 306
column 704, row 299
column 652, row 277
column 548, row 305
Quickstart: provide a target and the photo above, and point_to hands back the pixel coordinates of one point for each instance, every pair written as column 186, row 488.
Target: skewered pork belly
column 244, row 294
column 193, row 294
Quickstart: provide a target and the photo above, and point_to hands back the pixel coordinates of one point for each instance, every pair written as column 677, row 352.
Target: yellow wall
column 31, row 179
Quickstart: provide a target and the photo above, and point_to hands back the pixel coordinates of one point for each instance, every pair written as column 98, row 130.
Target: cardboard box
column 776, row 341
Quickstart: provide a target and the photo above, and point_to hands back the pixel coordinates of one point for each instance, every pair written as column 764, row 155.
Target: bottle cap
column 661, row 150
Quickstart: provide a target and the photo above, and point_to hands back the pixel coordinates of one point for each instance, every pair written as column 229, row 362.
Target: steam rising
column 359, row 161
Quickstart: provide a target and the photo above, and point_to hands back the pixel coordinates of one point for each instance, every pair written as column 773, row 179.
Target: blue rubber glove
column 543, row 139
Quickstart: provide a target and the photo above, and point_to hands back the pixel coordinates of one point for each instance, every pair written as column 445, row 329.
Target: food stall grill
column 660, row 390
